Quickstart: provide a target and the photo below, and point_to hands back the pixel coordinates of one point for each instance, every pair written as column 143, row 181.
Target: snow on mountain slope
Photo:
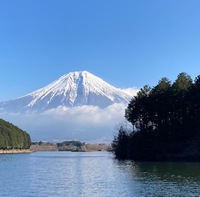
column 73, row 89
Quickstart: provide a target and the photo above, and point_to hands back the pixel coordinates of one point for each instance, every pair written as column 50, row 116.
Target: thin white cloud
column 84, row 123
column 131, row 91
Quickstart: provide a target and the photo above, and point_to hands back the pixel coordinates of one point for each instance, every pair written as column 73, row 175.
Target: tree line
column 71, row 143
column 165, row 120
column 12, row 137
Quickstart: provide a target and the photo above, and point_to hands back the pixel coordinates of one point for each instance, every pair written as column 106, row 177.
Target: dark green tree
column 120, row 144
column 12, row 137
column 165, row 122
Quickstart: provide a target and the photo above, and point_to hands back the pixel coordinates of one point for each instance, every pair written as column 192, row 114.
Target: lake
column 93, row 174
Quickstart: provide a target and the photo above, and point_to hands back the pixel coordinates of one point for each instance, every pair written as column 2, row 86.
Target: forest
column 165, row 123
column 12, row 137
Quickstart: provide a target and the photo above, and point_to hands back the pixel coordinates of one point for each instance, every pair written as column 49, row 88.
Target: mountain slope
column 73, row 89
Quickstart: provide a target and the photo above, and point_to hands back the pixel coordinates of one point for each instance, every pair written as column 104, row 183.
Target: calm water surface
column 96, row 174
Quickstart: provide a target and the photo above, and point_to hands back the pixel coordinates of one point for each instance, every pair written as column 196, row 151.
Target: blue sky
column 127, row 43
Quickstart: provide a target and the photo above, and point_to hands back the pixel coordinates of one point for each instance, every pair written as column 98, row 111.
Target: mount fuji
column 70, row 90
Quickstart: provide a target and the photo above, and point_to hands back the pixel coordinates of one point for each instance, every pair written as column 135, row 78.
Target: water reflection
column 163, row 178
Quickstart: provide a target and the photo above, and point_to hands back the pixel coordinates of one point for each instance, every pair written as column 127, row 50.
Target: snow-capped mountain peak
column 73, row 89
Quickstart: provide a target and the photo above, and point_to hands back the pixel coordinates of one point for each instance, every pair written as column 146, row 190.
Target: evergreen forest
column 12, row 137
column 165, row 123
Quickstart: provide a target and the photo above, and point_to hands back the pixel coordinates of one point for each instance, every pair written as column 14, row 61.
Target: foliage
column 71, row 143
column 165, row 120
column 12, row 137
column 120, row 143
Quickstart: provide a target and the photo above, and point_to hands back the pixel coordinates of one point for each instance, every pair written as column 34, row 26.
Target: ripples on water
column 96, row 174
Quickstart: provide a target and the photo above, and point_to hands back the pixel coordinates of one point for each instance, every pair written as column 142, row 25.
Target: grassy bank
column 12, row 151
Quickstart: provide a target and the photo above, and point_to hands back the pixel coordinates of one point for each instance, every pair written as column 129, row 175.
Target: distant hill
column 12, row 137
column 75, row 146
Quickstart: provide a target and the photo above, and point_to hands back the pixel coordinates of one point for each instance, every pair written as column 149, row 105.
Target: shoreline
column 13, row 151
